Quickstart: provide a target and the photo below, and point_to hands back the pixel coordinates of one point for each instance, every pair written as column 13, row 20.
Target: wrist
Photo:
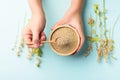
column 38, row 19
column 73, row 10
column 38, row 15
column 76, row 6
column 72, row 13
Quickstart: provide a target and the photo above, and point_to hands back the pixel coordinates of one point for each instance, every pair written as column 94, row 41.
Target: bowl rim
column 76, row 32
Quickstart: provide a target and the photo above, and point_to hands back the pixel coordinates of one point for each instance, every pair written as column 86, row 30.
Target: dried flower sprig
column 98, row 13
column 88, row 50
column 105, row 49
column 90, row 39
column 38, row 61
column 104, row 45
column 100, row 52
column 37, row 52
column 16, row 39
column 20, row 47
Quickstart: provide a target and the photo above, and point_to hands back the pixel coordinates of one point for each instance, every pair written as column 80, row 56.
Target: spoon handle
column 31, row 43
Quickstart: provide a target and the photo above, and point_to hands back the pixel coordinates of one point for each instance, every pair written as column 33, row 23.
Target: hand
column 33, row 32
column 74, row 19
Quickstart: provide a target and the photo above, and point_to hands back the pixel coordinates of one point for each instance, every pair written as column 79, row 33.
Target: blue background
column 54, row 67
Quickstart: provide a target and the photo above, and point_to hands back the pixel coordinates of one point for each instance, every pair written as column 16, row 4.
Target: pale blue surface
column 54, row 67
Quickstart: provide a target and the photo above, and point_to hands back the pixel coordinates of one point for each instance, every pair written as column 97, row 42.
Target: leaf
column 94, row 39
column 95, row 7
column 91, row 21
column 39, row 52
column 98, row 12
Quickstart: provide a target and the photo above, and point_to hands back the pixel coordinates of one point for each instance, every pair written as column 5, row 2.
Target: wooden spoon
column 52, row 41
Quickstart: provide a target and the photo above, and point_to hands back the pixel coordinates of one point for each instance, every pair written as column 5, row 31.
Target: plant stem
column 114, row 26
column 104, row 17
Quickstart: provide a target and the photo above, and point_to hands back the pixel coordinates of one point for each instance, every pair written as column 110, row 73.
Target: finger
column 26, row 30
column 30, row 46
column 27, row 38
column 82, row 39
column 43, row 36
column 81, row 35
column 36, row 38
column 41, row 45
column 81, row 43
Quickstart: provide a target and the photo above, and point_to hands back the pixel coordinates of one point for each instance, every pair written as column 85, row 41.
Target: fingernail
column 36, row 45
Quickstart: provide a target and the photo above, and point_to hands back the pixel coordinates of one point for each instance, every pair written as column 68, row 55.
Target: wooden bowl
column 66, row 39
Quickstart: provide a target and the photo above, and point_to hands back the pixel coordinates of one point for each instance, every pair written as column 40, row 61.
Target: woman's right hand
column 33, row 32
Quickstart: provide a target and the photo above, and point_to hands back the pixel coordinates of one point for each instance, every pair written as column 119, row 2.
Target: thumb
column 36, row 38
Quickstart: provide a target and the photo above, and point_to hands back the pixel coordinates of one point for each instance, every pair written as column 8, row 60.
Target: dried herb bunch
column 104, row 43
